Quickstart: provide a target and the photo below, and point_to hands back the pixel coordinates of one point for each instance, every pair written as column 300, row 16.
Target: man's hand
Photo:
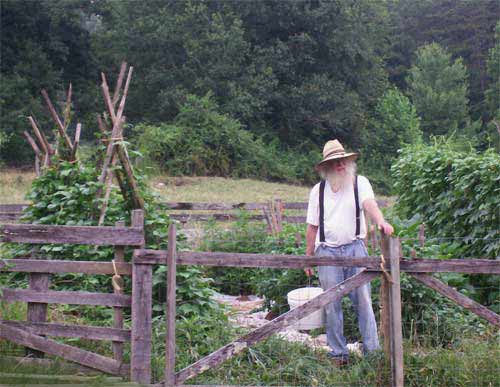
column 309, row 271
column 385, row 227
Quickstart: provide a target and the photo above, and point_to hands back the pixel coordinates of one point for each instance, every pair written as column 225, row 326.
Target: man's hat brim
column 337, row 157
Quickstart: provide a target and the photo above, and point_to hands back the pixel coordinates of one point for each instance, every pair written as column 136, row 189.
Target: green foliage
column 394, row 124
column 456, row 195
column 202, row 141
column 44, row 44
column 438, row 89
column 65, row 195
column 493, row 66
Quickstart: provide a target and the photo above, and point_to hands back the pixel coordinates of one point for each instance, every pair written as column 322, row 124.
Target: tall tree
column 438, row 89
column 466, row 28
column 44, row 44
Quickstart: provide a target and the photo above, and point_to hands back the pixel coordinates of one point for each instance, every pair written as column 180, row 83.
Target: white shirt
column 340, row 212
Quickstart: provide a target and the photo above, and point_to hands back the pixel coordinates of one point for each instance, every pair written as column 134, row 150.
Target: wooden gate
column 32, row 333
column 388, row 265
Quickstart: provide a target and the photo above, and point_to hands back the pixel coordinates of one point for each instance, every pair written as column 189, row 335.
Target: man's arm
column 311, row 232
column 371, row 207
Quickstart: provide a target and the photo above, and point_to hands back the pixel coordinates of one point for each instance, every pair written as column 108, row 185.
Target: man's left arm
column 371, row 207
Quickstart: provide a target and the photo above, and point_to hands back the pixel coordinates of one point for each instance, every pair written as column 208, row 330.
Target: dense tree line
column 291, row 73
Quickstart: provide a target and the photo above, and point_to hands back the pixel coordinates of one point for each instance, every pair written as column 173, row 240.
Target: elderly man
column 336, row 226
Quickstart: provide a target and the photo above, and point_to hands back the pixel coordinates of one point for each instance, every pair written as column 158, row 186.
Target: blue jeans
column 330, row 276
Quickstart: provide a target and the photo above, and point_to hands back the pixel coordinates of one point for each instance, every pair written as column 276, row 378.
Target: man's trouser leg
column 330, row 276
column 362, row 303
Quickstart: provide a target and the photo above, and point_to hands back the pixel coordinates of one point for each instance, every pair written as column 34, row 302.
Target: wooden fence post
column 171, row 295
column 395, row 315
column 118, row 312
column 142, row 276
column 385, row 311
column 37, row 312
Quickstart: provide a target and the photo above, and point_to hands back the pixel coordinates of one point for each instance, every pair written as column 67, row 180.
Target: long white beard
column 340, row 181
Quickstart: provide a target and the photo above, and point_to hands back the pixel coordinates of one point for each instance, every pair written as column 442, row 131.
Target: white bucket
column 301, row 296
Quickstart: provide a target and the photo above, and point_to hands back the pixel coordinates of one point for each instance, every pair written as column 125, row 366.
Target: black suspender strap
column 356, row 203
column 322, row 211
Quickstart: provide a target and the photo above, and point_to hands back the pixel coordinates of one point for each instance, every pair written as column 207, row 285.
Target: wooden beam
column 77, row 139
column 60, row 266
column 32, row 142
column 458, row 298
column 37, row 312
column 158, row 257
column 83, row 235
column 385, row 304
column 57, row 120
column 118, row 312
column 395, row 305
column 140, row 358
column 77, row 355
column 65, row 297
column 119, row 83
column 291, row 317
column 171, row 300
column 76, row 331
column 67, row 109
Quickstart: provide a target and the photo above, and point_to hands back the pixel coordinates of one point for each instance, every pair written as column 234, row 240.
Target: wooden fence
column 389, row 265
column 32, row 333
column 216, row 211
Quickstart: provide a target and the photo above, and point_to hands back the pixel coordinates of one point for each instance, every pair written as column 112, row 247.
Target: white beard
column 340, row 181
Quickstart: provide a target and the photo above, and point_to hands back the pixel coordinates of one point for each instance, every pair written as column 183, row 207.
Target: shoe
column 339, row 361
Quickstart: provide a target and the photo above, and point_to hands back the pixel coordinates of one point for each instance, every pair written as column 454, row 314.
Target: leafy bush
column 65, row 195
column 456, row 193
column 202, row 141
column 394, row 123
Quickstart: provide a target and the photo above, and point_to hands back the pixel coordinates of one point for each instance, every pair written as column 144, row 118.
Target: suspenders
column 322, row 209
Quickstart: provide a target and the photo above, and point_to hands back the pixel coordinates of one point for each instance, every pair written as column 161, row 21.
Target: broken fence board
column 458, row 298
column 65, row 297
column 86, row 235
column 60, row 266
column 77, row 331
column 274, row 326
column 77, row 355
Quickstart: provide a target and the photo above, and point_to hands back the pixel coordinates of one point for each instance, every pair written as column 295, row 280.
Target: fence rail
column 31, row 333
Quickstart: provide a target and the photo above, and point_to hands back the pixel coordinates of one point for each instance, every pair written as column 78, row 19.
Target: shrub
column 202, row 141
column 456, row 194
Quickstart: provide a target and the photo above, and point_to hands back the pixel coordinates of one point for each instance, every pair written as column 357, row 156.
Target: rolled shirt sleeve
column 365, row 190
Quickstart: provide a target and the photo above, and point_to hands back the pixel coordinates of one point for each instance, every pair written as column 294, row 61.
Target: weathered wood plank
column 77, row 355
column 66, row 330
column 86, row 235
column 286, row 319
column 118, row 312
column 62, row 367
column 221, row 217
column 171, row 299
column 16, row 207
column 142, row 308
column 158, row 257
column 65, row 297
column 396, row 327
column 37, row 312
column 385, row 305
column 10, row 216
column 60, row 266
column 458, row 298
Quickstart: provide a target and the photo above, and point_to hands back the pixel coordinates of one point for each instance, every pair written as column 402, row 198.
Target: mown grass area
column 15, row 183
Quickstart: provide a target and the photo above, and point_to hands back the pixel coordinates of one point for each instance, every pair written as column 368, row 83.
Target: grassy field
column 15, row 183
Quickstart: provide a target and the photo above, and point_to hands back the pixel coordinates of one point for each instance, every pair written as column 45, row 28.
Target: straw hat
column 334, row 150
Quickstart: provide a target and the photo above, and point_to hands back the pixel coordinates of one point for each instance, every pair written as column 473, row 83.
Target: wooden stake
column 396, row 325
column 171, row 295
column 118, row 311
column 67, row 109
column 119, row 82
column 57, row 120
column 421, row 235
